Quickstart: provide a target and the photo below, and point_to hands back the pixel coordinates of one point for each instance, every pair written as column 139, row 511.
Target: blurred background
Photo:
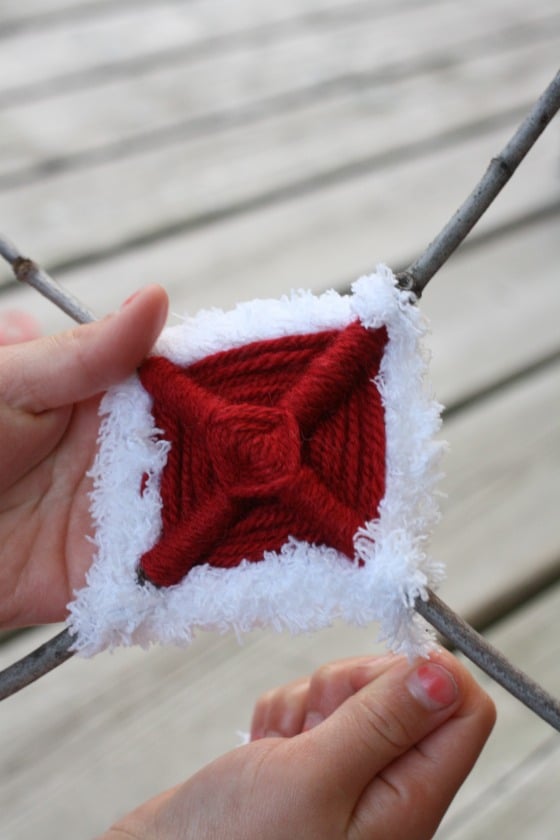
column 230, row 149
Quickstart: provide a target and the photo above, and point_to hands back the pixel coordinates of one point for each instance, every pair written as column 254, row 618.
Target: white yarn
column 302, row 587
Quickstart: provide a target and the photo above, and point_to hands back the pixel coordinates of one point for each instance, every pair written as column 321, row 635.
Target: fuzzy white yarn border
column 302, row 587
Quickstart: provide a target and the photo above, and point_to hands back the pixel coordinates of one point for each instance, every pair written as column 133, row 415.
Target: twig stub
column 27, row 271
column 23, row 267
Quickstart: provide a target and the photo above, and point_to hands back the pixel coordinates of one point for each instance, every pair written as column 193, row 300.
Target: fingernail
column 312, row 719
column 433, row 686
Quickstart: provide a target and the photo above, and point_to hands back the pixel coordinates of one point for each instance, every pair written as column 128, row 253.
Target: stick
column 436, row 612
column 36, row 664
column 489, row 659
column 26, row 271
column 416, row 277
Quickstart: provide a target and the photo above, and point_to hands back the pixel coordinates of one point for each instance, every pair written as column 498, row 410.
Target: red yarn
column 278, row 438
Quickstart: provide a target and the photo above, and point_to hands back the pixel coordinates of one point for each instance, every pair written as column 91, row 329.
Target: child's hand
column 49, row 394
column 365, row 749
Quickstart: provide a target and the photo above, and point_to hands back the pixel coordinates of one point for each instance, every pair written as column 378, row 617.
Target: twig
column 57, row 650
column 27, row 271
column 489, row 659
column 36, row 664
column 416, row 277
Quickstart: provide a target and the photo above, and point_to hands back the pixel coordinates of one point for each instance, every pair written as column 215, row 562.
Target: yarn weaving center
column 255, row 451
column 275, row 439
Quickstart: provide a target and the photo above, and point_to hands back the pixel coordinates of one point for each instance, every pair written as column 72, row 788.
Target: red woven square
column 276, row 439
column 274, row 465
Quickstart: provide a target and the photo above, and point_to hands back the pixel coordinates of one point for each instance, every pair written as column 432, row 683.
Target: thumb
column 70, row 367
column 384, row 720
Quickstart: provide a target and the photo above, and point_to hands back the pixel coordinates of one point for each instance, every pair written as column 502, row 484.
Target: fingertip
column 129, row 334
column 473, row 697
column 151, row 301
column 433, row 686
column 150, row 290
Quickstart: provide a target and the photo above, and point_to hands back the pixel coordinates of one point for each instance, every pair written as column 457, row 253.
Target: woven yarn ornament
column 272, row 465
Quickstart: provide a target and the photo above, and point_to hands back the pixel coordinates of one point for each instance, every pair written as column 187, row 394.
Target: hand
column 365, row 749
column 50, row 390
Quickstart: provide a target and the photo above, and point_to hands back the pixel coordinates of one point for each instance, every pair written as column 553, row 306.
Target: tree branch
column 416, row 277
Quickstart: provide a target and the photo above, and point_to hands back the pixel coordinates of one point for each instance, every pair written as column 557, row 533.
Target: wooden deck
column 238, row 149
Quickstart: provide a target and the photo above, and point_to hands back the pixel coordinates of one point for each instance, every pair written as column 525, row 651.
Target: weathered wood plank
column 15, row 15
column 217, row 13
column 530, row 808
column 500, row 531
column 88, row 128
column 164, row 104
column 493, row 311
column 54, row 13
column 123, row 33
column 206, row 178
column 46, row 13
column 513, row 791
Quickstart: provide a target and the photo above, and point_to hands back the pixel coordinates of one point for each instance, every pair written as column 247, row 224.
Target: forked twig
column 415, row 279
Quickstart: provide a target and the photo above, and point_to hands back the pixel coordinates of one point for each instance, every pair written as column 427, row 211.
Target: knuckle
column 380, row 721
column 323, row 676
column 265, row 701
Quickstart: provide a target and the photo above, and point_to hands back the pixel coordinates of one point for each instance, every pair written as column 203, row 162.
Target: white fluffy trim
column 302, row 587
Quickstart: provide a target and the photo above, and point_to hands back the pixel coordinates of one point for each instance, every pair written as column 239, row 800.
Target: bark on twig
column 27, row 271
column 416, row 277
column 489, row 659
column 36, row 664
